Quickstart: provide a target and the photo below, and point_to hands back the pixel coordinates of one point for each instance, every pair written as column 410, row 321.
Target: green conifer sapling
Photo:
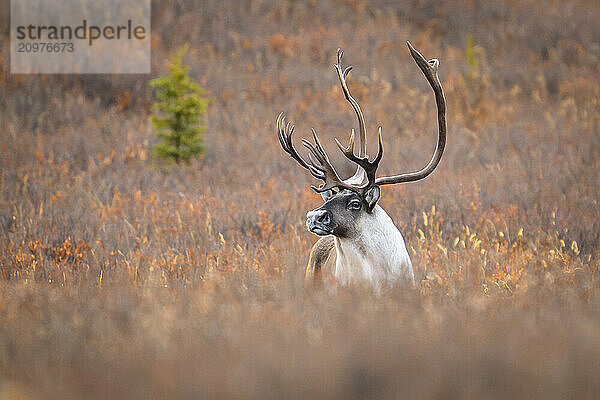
column 181, row 109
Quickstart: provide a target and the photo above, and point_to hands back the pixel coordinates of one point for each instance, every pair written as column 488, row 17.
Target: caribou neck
column 377, row 252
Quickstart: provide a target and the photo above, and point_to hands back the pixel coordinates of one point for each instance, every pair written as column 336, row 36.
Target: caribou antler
column 284, row 133
column 321, row 168
column 318, row 164
column 362, row 129
column 429, row 69
column 369, row 167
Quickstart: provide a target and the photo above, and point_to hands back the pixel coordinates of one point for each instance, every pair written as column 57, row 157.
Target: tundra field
column 125, row 278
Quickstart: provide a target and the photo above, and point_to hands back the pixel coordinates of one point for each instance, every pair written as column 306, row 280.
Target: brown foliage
column 120, row 278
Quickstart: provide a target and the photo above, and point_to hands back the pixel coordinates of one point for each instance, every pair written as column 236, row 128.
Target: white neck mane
column 377, row 253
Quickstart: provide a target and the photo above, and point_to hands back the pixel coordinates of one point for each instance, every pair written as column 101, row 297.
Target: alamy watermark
column 80, row 36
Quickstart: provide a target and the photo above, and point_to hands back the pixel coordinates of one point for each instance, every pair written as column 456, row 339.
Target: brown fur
column 322, row 256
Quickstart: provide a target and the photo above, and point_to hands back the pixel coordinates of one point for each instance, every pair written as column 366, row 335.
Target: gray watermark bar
column 80, row 36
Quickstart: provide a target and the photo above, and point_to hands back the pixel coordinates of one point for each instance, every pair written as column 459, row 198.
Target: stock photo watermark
column 80, row 36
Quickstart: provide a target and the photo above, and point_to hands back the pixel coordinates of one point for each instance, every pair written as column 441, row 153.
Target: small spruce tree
column 181, row 109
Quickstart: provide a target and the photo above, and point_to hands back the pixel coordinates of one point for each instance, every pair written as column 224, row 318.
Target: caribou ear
column 326, row 195
column 371, row 197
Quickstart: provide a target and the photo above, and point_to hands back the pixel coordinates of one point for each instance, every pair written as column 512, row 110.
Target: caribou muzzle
column 319, row 222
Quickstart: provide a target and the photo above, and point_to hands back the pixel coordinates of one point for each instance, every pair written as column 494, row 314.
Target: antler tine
column 342, row 74
column 348, row 151
column 429, row 69
column 284, row 132
column 320, row 161
column 319, row 146
column 370, row 167
column 380, row 146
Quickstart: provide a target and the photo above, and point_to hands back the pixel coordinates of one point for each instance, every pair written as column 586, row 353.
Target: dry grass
column 122, row 278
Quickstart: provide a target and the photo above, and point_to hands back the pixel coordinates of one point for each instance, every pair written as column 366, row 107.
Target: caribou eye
column 354, row 205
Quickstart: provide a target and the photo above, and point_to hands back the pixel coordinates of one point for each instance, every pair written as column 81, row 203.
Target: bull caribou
column 359, row 242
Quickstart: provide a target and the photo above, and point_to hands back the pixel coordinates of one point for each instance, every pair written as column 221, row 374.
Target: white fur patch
column 377, row 254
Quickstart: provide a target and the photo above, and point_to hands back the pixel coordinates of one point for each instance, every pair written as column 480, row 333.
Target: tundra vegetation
column 122, row 280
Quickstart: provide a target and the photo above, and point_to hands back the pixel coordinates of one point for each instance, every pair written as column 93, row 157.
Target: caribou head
column 359, row 239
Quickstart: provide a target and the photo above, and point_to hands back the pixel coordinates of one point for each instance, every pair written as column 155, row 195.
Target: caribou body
column 360, row 242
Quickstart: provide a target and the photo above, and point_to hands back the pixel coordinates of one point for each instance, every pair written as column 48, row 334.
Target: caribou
column 359, row 241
